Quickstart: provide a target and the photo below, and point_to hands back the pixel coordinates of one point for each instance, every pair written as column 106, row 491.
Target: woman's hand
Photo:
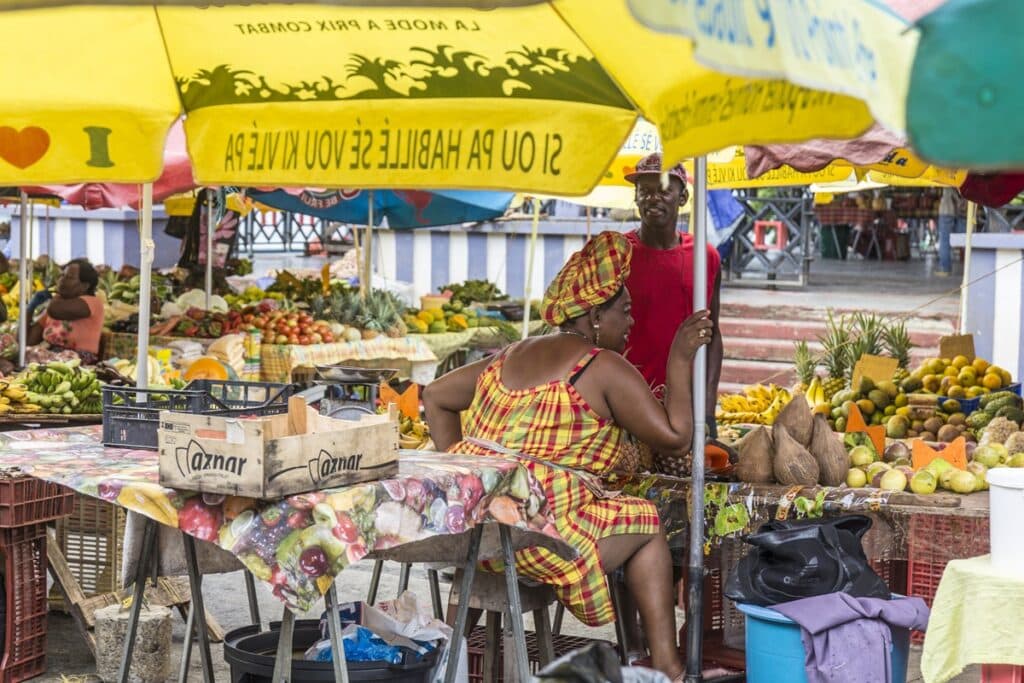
column 695, row 332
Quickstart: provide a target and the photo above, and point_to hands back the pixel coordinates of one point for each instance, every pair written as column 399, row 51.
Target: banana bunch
column 12, row 300
column 413, row 434
column 758, row 404
column 12, row 399
column 56, row 388
column 815, row 393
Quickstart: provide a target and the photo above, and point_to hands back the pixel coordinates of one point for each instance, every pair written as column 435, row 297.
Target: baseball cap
column 651, row 165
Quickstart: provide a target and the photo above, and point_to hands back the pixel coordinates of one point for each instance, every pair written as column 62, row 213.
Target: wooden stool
column 489, row 596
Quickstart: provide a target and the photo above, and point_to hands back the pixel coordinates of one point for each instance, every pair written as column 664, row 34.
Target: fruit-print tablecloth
column 299, row 544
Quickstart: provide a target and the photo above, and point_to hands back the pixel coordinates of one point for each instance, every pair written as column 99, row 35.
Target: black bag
column 800, row 559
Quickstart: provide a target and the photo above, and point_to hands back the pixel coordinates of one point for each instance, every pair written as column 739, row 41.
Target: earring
column 597, row 334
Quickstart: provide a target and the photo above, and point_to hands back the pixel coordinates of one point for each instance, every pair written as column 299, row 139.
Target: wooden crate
column 92, row 541
column 276, row 456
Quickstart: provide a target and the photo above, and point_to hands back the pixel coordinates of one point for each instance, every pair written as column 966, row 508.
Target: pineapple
column 898, row 344
column 805, row 364
column 835, row 356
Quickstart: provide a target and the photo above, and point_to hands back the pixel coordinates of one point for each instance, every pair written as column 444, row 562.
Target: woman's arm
column 446, row 397
column 68, row 309
column 668, row 427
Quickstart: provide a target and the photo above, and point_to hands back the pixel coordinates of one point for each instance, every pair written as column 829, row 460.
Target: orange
column 960, row 362
column 951, row 371
column 980, row 364
column 1007, row 377
column 992, row 380
column 935, row 366
column 957, row 392
column 966, row 379
column 974, row 392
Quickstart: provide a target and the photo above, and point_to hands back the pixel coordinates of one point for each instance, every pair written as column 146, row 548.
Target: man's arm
column 716, row 351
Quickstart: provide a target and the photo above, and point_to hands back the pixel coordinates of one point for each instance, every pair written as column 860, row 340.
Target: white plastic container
column 1006, row 509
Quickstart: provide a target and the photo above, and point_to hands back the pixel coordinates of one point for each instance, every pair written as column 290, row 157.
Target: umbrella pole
column 695, row 574
column 528, row 289
column 588, row 223
column 24, row 278
column 209, row 246
column 145, row 285
column 365, row 281
column 972, row 217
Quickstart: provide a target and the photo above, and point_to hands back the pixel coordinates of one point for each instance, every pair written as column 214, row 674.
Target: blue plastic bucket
column 775, row 651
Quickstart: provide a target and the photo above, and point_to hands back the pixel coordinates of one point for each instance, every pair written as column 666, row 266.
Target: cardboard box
column 273, row 457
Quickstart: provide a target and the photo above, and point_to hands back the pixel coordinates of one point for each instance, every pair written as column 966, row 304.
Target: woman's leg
column 648, row 569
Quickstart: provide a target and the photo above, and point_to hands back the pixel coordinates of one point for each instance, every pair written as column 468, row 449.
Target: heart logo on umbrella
column 24, row 147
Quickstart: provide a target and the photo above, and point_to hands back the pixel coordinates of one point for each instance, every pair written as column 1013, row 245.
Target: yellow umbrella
column 535, row 98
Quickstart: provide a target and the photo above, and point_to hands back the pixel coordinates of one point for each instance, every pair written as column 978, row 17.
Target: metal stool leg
column 186, row 652
column 371, row 596
column 198, row 611
column 403, row 577
column 146, row 555
column 254, row 605
column 283, row 660
column 334, row 628
column 435, row 594
column 556, row 627
column 514, row 609
column 459, row 629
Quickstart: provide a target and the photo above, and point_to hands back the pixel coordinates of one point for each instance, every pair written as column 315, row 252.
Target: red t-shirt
column 661, row 285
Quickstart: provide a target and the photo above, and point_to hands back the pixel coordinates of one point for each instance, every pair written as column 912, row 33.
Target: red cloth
column 661, row 285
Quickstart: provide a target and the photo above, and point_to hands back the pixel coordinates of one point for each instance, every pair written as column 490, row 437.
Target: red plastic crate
column 1002, row 673
column 477, row 643
column 27, row 500
column 24, row 552
column 932, row 542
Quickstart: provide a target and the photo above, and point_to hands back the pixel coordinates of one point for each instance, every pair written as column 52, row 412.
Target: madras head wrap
column 592, row 276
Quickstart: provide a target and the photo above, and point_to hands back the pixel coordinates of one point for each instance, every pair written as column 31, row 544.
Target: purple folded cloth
column 847, row 639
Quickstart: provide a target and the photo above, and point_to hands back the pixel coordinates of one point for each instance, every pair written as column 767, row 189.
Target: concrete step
column 745, row 309
column 757, row 372
column 809, row 330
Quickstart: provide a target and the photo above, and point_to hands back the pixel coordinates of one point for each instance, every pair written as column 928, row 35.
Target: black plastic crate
column 131, row 416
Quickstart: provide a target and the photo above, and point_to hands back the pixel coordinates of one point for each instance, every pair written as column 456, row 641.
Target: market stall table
column 420, row 515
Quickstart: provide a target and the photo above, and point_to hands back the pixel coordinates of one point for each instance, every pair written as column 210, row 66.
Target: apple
column 316, row 338
column 923, row 482
column 893, row 480
column 861, row 456
column 988, row 455
column 856, row 478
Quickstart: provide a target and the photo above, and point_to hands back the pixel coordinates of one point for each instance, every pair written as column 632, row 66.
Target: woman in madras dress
column 568, row 402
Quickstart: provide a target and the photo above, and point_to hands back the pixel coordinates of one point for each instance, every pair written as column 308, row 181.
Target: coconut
column 798, row 420
column 755, row 457
column 793, row 463
column 895, row 451
column 829, row 452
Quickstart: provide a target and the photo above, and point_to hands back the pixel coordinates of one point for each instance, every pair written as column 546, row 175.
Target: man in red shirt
column 661, row 279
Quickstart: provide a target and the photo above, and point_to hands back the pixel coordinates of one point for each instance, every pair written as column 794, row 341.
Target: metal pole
column 528, row 290
column 24, row 279
column 146, row 248
column 365, row 281
column 209, row 245
column 972, row 218
column 695, row 574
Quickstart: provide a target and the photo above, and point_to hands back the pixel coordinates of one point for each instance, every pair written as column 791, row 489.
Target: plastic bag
column 361, row 645
column 801, row 559
column 404, row 623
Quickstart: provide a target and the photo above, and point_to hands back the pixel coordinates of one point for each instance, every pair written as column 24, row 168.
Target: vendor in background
column 564, row 404
column 661, row 282
column 74, row 316
column 952, row 218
